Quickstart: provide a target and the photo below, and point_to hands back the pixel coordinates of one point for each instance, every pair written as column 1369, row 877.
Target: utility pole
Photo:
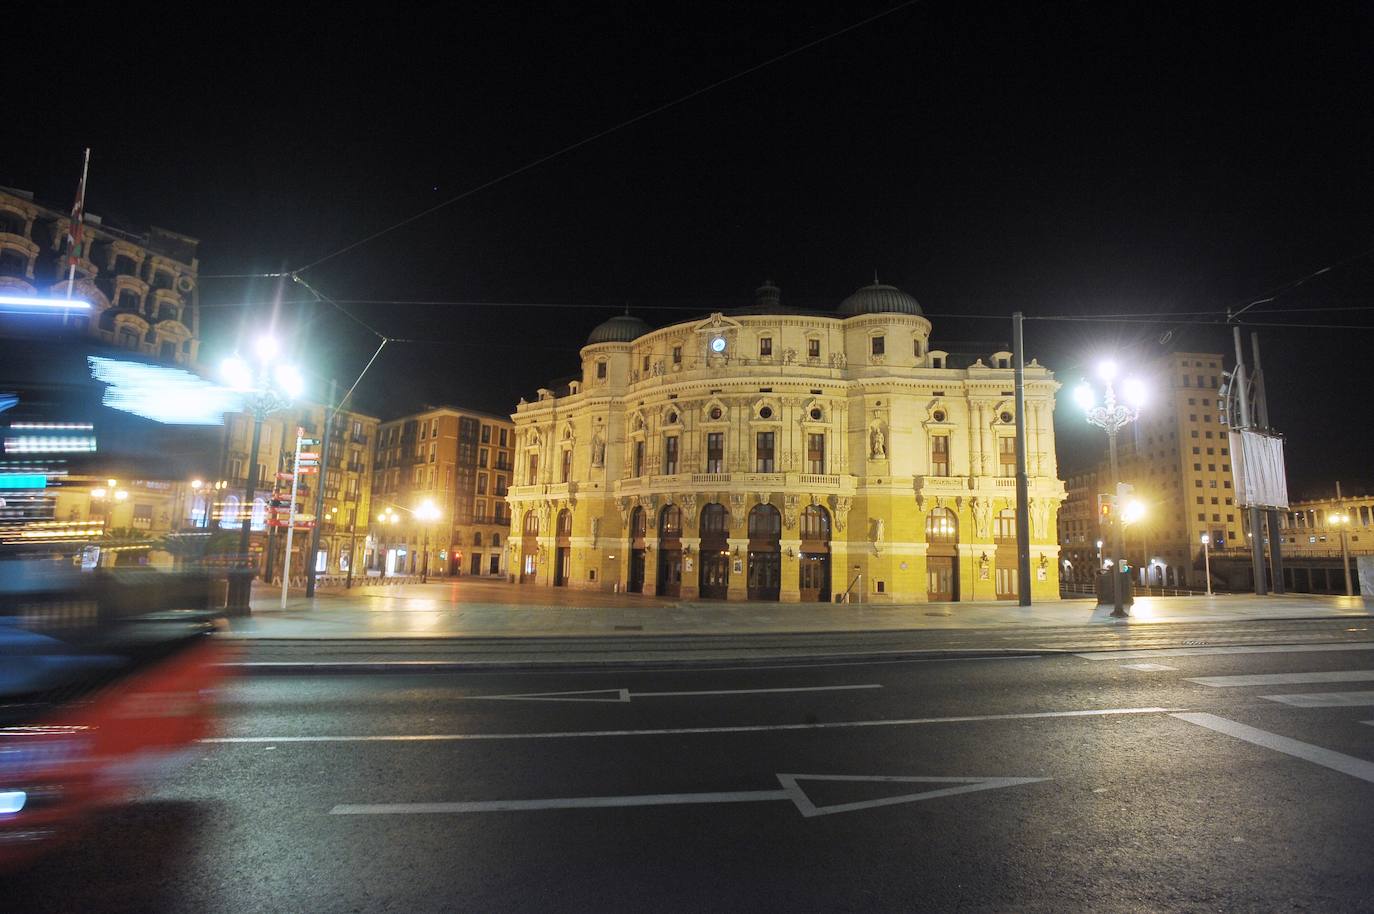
column 1023, row 574
column 1272, row 514
column 319, row 490
column 1256, row 530
column 1345, row 547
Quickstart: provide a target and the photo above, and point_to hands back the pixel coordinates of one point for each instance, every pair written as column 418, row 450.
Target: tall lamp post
column 268, row 386
column 388, row 518
column 1112, row 416
column 1207, row 560
column 427, row 513
column 1342, row 520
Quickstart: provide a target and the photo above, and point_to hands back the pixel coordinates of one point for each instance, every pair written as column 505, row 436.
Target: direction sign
column 303, row 456
column 791, row 791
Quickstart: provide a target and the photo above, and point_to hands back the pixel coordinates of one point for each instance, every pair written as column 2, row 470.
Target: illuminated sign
column 45, row 304
column 23, row 480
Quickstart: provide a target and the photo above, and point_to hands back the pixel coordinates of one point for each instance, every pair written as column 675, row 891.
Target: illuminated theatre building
column 777, row 454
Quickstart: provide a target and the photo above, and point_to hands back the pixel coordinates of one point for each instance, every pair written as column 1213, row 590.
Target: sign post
column 291, row 516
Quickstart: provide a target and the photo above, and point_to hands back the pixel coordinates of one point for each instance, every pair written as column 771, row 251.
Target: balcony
column 819, row 480
column 710, row 478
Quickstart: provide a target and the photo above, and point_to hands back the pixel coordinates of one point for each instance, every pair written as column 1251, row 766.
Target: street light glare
column 266, row 346
column 1083, row 395
column 290, row 381
column 1106, row 369
column 1133, row 511
column 1134, row 392
column 237, row 373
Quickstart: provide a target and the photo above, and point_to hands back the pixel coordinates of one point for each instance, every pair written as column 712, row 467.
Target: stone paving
column 464, row 608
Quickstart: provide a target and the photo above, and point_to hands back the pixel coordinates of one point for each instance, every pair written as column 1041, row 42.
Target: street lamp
column 1112, row 416
column 427, row 513
column 106, row 495
column 1342, row 520
column 268, row 387
column 1207, row 560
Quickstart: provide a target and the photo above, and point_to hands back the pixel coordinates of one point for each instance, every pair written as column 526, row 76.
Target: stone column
column 691, row 567
column 975, row 439
column 739, row 580
column 790, row 589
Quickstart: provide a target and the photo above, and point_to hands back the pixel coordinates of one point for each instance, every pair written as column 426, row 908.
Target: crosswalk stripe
column 1265, row 679
column 1235, row 649
column 1324, row 699
column 1336, row 761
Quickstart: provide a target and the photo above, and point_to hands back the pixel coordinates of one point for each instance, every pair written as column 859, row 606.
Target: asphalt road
column 1059, row 783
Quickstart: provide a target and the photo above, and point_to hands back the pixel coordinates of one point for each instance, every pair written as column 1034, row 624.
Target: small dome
column 623, row 328
column 879, row 299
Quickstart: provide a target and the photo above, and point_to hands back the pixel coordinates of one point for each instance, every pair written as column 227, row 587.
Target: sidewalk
column 466, row 608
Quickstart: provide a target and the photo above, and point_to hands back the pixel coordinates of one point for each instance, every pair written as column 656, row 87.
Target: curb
column 298, row 667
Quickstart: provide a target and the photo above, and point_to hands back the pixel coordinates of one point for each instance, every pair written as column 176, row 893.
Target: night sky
column 1060, row 158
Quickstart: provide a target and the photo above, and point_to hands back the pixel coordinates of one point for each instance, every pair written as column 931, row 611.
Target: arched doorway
column 714, row 576
column 562, row 548
column 815, row 555
column 1004, row 565
column 670, row 552
column 635, row 584
column 529, row 547
column 765, row 553
column 942, row 566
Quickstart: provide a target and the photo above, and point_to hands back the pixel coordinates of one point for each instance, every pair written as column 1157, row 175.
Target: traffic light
column 1106, row 508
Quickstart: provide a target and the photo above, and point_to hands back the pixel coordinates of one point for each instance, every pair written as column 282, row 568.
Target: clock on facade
column 718, row 344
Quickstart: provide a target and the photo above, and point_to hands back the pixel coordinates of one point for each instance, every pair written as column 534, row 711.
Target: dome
column 623, row 328
column 879, row 299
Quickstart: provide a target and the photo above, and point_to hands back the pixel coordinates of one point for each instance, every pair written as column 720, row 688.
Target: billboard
column 1257, row 465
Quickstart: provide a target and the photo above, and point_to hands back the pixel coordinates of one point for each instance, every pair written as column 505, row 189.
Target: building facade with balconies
column 777, row 454
column 142, row 286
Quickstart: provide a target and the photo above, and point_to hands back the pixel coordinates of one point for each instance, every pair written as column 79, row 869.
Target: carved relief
column 737, row 512
column 842, row 504
column 982, row 515
column 689, row 509
column 837, row 360
column 626, row 505
column 789, row 511
column 1040, row 516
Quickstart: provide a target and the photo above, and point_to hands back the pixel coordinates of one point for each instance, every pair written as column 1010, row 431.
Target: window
column 481, row 483
column 482, row 457
column 715, row 452
column 565, row 473
column 423, row 429
column 646, row 364
column 939, row 455
column 639, row 458
column 766, row 347
column 504, row 439
column 1006, row 456
column 763, row 452
column 534, row 469
column 600, row 374
column 434, row 428
column 677, row 355
column 670, row 455
column 1185, row 381
column 500, row 485
column 486, row 434
column 813, row 349
column 815, row 453
column 916, row 348
column 877, row 345
column 431, row 453
column 1004, row 526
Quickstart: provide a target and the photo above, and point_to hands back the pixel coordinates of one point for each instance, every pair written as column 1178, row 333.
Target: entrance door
column 765, row 553
column 1006, row 581
column 713, row 579
column 476, row 563
column 562, row 557
column 940, row 578
column 636, row 583
column 669, row 573
column 715, row 575
column 815, row 577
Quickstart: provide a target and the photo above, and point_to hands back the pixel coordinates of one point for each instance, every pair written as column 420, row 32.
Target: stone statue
column 879, row 449
column 1040, row 515
column 982, row 515
column 879, row 532
column 596, row 529
column 598, row 450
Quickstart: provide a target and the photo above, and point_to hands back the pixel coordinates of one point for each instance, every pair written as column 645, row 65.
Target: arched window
column 229, row 516
column 714, row 519
column 496, row 539
column 477, row 537
column 764, row 522
column 531, row 523
column 815, row 523
column 637, row 523
column 564, row 522
column 670, row 521
column 942, row 526
column 1004, row 526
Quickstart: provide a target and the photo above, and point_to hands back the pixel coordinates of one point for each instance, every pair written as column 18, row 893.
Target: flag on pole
column 74, row 227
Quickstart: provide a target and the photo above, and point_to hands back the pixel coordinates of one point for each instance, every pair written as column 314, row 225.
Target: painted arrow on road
column 791, row 791
column 624, row 695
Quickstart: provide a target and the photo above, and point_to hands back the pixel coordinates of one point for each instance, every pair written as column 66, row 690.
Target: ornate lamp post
column 1111, row 416
column 427, row 513
column 268, row 387
column 1207, row 560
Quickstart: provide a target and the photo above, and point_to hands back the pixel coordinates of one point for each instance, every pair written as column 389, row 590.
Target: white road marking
column 623, row 696
column 681, row 731
column 501, row 667
column 1266, row 679
column 1325, row 699
column 1147, row 667
column 791, row 790
column 1235, row 649
column 1346, row 764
